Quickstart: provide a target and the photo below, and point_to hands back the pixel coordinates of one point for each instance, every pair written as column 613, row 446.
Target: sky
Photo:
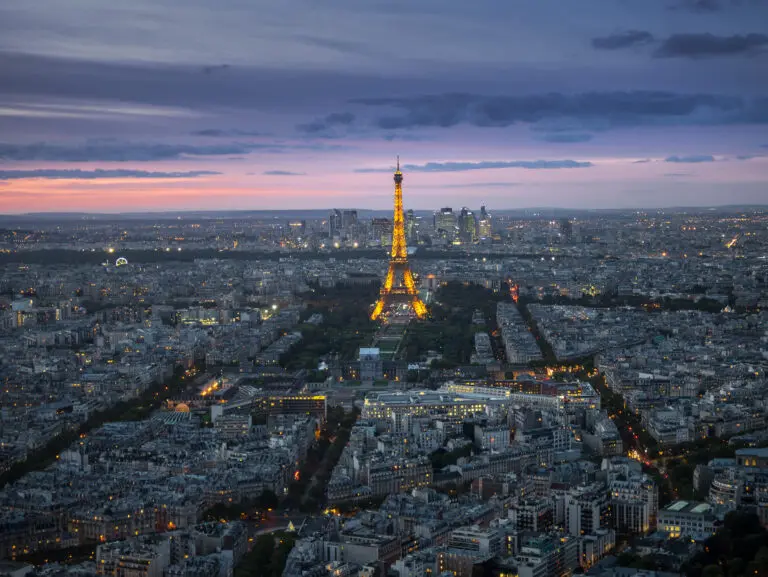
column 154, row 105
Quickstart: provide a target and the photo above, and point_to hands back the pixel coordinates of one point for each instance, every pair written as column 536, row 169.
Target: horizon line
column 280, row 210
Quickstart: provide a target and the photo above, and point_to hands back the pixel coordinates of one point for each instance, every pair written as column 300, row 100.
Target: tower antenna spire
column 398, row 163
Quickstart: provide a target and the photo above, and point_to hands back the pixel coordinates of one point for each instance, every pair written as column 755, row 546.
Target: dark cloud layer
column 283, row 173
column 484, row 165
column 117, row 151
column 114, row 151
column 622, row 40
column 709, row 45
column 99, row 173
column 327, row 123
column 691, row 159
column 234, row 133
column 565, row 137
column 596, row 111
column 182, row 86
column 703, row 6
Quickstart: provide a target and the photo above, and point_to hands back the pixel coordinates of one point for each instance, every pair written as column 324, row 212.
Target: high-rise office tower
column 349, row 219
column 410, row 225
column 381, row 229
column 399, row 285
column 484, row 225
column 445, row 222
column 566, row 229
column 335, row 222
column 467, row 226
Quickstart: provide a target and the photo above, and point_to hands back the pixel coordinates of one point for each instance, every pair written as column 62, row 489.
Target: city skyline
column 107, row 109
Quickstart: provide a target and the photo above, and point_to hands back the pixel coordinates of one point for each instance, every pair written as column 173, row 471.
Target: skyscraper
column 566, row 229
column 381, row 229
column 484, row 225
column 410, row 225
column 335, row 222
column 467, row 226
column 349, row 219
column 445, row 223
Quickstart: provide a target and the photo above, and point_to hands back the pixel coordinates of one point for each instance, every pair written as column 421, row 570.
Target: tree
column 712, row 571
column 736, row 567
column 268, row 500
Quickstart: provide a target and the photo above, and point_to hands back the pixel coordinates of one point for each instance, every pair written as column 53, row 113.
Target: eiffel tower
column 399, row 286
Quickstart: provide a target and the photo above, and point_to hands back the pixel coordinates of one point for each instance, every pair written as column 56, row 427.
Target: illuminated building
column 475, row 539
column 688, row 518
column 560, row 396
column 381, row 229
column 550, row 555
column 399, row 476
column 410, row 225
column 291, row 404
column 234, row 425
column 425, row 403
column 594, row 547
column 532, row 514
column 139, row 558
column 587, row 509
column 445, row 223
column 484, row 225
column 467, row 226
column 633, row 495
column 399, row 285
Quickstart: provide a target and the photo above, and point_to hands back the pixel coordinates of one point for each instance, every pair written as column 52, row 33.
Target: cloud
column 479, row 185
column 642, row 161
column 622, row 40
column 698, row 6
column 691, row 159
column 677, row 174
column 215, row 68
column 484, row 165
column 117, row 151
column 585, row 111
column 402, row 137
column 90, row 110
column 341, row 46
column 565, row 137
column 99, row 173
column 30, row 78
column 283, row 173
column 340, row 118
column 709, row 45
column 325, row 124
column 216, row 132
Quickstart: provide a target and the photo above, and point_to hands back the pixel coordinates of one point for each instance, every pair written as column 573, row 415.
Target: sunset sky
column 254, row 104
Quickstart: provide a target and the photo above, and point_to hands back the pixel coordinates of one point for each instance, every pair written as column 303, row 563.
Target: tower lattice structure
column 399, row 286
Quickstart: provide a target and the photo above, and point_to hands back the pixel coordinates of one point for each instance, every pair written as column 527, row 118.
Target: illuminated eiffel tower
column 399, row 286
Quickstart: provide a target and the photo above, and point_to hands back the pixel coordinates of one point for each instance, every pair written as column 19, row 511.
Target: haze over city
column 145, row 105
